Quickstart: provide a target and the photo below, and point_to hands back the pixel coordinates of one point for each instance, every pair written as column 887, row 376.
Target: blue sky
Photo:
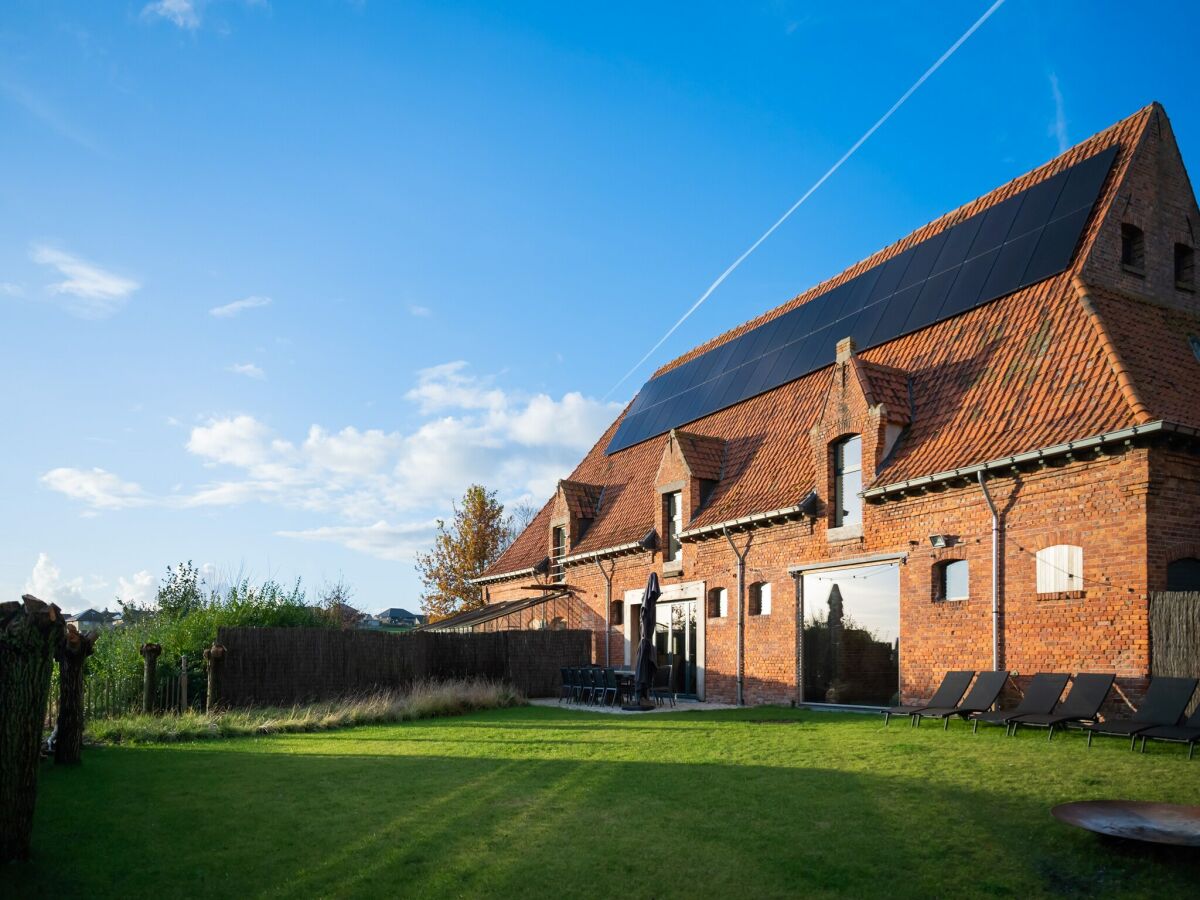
column 278, row 280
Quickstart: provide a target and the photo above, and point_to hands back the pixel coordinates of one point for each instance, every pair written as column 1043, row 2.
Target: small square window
column 718, row 603
column 952, row 580
column 616, row 613
column 760, row 599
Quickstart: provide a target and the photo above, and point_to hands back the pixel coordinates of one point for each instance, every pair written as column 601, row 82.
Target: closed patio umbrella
column 647, row 658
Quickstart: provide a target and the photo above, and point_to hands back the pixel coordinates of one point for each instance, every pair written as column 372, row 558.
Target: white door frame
column 671, row 593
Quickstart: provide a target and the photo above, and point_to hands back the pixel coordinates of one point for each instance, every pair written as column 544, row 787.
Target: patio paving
column 680, row 706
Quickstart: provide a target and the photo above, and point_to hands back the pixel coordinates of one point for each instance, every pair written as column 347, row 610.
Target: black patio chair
column 576, row 684
column 1088, row 691
column 661, row 688
column 982, row 697
column 612, row 686
column 1040, row 697
column 583, row 684
column 1163, row 706
column 589, row 685
column 949, row 692
column 564, row 692
column 1187, row 733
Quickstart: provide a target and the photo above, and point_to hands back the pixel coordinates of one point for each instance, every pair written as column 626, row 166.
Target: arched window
column 951, row 580
column 847, row 481
column 760, row 598
column 1059, row 569
column 1133, row 248
column 1184, row 574
column 718, row 603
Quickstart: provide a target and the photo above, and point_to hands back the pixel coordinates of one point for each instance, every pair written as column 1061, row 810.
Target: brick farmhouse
column 1003, row 488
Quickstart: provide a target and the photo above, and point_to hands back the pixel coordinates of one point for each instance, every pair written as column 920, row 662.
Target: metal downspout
column 995, row 574
column 607, row 611
column 741, row 622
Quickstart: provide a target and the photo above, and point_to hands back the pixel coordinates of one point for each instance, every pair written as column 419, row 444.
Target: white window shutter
column 764, row 606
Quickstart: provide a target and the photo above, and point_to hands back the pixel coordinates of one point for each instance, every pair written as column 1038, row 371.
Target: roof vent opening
column 1133, row 249
column 1185, row 267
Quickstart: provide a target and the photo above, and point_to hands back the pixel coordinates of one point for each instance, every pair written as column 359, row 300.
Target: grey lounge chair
column 1187, row 733
column 1082, row 705
column 981, row 698
column 1163, row 706
column 1040, row 697
column 953, row 686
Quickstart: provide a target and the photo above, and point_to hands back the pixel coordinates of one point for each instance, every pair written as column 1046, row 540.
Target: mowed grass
column 545, row 802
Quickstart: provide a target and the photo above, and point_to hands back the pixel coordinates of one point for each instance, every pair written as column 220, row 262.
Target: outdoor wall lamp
column 941, row 541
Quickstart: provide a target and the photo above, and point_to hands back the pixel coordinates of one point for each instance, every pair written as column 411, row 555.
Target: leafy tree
column 462, row 551
column 334, row 600
column 518, row 520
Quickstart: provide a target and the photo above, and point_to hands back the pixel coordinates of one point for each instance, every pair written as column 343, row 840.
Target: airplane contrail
column 820, row 181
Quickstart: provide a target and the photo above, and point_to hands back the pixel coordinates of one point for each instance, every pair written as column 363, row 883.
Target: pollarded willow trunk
column 72, row 659
column 150, row 653
column 214, row 658
column 30, row 634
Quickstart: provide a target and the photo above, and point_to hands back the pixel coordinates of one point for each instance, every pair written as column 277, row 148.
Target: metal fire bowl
column 1159, row 823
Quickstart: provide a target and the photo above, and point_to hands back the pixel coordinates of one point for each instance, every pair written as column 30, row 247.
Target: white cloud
column 250, row 370
column 140, row 588
column 381, row 540
column 237, row 307
column 88, row 291
column 1059, row 127
column 9, row 289
column 422, row 312
column 181, row 13
column 95, row 487
column 448, row 386
column 46, row 583
column 382, row 487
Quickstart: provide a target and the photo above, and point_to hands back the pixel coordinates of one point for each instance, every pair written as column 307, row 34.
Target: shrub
column 424, row 700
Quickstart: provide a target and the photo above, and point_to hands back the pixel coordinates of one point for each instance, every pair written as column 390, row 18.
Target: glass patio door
column 676, row 644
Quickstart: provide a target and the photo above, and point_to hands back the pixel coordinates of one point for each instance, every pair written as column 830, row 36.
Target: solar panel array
column 1013, row 244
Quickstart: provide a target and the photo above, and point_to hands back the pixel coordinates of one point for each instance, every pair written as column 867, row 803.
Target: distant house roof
column 397, row 613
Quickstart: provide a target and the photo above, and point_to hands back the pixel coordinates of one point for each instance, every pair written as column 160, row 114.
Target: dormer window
column 1133, row 249
column 847, row 481
column 558, row 549
column 1185, row 267
column 672, row 526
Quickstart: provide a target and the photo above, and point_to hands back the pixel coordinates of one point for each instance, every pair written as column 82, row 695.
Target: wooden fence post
column 183, row 685
column 150, row 653
column 72, row 659
column 30, row 634
column 215, row 657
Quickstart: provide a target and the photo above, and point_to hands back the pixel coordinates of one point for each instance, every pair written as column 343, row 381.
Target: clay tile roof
column 583, row 500
column 883, row 384
column 703, row 454
column 1019, row 373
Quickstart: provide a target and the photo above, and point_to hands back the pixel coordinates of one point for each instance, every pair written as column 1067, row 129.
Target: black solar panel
column 1021, row 240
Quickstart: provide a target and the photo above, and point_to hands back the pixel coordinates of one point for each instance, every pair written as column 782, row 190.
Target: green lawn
column 546, row 802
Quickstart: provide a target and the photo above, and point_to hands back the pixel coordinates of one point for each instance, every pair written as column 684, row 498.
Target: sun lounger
column 982, row 697
column 1040, row 697
column 1088, row 691
column 1163, row 706
column 1187, row 733
column 953, row 686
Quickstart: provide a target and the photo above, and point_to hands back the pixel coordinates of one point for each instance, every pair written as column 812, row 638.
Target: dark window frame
column 558, row 549
column 1185, row 267
column 1133, row 249
column 672, row 526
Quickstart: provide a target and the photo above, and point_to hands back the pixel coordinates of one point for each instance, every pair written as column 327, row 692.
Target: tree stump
column 150, row 653
column 30, row 634
column 72, row 659
column 214, row 658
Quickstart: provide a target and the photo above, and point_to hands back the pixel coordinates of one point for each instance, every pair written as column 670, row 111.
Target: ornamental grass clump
column 423, row 700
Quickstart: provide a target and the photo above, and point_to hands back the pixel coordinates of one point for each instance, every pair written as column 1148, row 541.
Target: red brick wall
column 1099, row 504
